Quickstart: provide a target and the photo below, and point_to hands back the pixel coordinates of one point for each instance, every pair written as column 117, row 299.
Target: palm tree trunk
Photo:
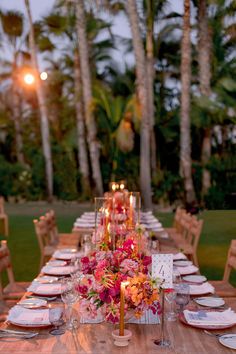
column 204, row 52
column 17, row 123
column 145, row 170
column 87, row 96
column 150, row 85
column 185, row 136
column 82, row 148
column 42, row 108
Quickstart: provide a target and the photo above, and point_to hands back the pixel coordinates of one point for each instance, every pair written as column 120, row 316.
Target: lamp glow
column 43, row 76
column 29, row 79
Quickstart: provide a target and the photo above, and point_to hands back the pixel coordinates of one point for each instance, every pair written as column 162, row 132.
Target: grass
column 219, row 229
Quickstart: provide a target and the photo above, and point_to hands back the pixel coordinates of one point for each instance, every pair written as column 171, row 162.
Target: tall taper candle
column 122, row 307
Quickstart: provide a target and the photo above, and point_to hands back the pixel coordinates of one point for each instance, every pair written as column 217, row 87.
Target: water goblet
column 182, row 296
column 69, row 296
column 56, row 314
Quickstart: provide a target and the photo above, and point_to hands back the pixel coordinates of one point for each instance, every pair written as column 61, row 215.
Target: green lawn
column 219, row 228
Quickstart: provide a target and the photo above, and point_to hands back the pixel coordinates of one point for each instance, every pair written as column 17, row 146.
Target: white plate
column 57, row 270
column 198, row 279
column 57, row 263
column 45, row 289
column 210, row 301
column 228, row 340
column 32, row 303
column 183, row 263
column 46, row 279
column 69, row 250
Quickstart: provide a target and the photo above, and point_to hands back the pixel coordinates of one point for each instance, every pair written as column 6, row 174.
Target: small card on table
column 162, row 268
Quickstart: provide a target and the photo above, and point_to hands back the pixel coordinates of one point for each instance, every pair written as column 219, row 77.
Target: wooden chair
column 13, row 290
column 189, row 243
column 182, row 229
column 223, row 287
column 43, row 236
column 4, row 218
column 176, row 224
column 60, row 239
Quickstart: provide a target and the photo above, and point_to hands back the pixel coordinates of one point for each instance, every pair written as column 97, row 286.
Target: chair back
column 42, row 233
column 5, row 263
column 231, row 261
column 194, row 232
column 177, row 219
column 2, row 210
column 185, row 224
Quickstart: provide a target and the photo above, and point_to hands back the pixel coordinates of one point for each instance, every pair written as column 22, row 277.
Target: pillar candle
column 122, row 307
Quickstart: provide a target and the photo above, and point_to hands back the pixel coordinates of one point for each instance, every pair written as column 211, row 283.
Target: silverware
column 218, row 335
column 18, row 334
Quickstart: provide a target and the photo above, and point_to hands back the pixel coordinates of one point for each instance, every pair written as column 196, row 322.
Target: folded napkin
column 45, row 289
column 210, row 318
column 179, row 256
column 204, row 288
column 23, row 316
column 187, row 270
column 58, row 270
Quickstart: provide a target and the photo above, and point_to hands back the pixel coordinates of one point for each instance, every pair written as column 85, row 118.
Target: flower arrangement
column 102, row 275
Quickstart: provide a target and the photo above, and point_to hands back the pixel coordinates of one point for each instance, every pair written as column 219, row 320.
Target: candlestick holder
column 162, row 342
column 121, row 341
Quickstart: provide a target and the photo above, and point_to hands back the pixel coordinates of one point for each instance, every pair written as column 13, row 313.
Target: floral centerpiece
column 102, row 275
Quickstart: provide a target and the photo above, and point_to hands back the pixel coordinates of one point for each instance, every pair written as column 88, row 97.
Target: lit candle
column 106, row 230
column 122, row 307
column 113, row 187
column 122, row 186
column 131, row 210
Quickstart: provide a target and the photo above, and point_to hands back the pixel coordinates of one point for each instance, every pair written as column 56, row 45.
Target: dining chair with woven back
column 4, row 218
column 223, row 287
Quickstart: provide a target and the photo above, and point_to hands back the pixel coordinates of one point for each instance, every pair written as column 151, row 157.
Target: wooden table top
column 97, row 339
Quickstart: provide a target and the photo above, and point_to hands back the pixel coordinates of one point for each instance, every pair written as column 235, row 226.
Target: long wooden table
column 97, row 338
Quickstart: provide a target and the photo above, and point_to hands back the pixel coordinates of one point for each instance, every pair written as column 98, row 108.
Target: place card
column 162, row 268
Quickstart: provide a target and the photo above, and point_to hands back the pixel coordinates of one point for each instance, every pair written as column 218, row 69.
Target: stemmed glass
column 56, row 313
column 182, row 295
column 69, row 296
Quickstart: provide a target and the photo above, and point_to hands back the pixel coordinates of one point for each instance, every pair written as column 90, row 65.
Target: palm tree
column 87, row 96
column 145, row 170
column 204, row 52
column 12, row 26
column 42, row 108
column 61, row 23
column 185, row 137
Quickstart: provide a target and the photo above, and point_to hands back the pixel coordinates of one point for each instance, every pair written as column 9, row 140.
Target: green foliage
column 167, row 187
column 9, row 177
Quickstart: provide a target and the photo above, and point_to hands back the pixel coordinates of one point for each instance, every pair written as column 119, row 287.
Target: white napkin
column 179, row 256
column 58, row 270
column 201, row 317
column 187, row 270
column 45, row 289
column 22, row 316
column 204, row 288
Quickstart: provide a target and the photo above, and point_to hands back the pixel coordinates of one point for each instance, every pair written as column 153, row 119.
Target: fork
column 218, row 335
column 15, row 335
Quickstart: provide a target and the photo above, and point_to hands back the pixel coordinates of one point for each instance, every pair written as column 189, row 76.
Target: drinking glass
column 170, row 297
column 69, row 296
column 56, row 314
column 182, row 295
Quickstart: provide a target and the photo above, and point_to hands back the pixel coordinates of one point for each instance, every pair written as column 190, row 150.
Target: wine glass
column 69, row 296
column 170, row 296
column 56, row 314
column 182, row 295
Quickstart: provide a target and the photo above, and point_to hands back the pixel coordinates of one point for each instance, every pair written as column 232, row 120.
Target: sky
column 40, row 8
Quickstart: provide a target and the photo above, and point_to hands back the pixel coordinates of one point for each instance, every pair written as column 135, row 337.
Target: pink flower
column 129, row 266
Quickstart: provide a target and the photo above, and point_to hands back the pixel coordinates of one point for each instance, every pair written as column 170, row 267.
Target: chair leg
column 6, row 227
column 41, row 262
column 195, row 260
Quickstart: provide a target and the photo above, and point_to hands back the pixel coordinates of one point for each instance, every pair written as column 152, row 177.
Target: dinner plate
column 209, row 327
column 46, row 289
column 57, row 263
column 30, row 318
column 46, row 279
column 183, row 263
column 210, row 301
column 228, row 340
column 198, row 279
column 69, row 250
column 32, row 303
column 58, row 270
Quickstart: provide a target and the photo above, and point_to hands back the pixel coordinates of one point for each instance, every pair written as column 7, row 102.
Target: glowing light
column 43, row 76
column 29, row 79
column 122, row 186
